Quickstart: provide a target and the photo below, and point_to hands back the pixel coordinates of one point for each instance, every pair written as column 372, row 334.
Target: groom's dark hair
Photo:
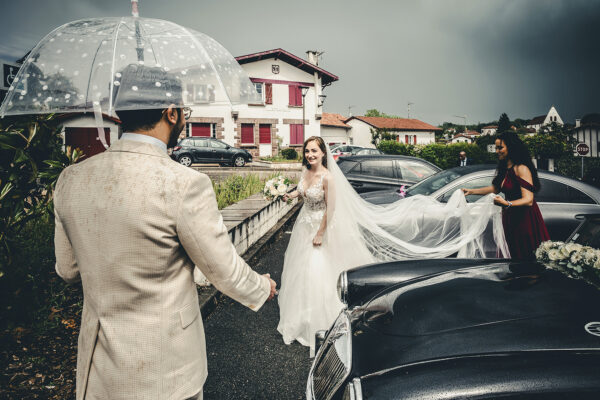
column 321, row 145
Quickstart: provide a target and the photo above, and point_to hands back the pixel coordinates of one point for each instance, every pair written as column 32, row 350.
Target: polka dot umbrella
column 105, row 64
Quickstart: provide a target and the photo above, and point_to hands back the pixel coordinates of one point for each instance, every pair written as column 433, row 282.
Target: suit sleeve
column 66, row 265
column 205, row 238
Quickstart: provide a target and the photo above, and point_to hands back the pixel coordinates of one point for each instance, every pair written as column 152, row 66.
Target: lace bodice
column 314, row 196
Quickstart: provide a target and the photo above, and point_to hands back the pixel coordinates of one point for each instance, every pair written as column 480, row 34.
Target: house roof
column 335, row 120
column 473, row 133
column 462, row 135
column 490, row 127
column 537, row 120
column 326, row 77
column 397, row 124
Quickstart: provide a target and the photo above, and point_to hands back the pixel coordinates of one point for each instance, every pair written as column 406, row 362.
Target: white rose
column 282, row 189
column 555, row 255
column 575, row 258
column 597, row 263
column 274, row 191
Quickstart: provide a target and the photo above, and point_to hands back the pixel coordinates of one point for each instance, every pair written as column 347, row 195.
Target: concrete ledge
column 209, row 296
column 277, row 165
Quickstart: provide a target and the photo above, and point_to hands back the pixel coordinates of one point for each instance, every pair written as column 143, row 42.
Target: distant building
column 541, row 120
column 462, row 138
column 409, row 131
column 334, row 130
column 489, row 130
column 80, row 131
column 587, row 131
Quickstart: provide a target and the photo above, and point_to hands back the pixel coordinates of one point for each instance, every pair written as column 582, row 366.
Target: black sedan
column 209, row 150
column 460, row 329
column 367, row 173
column 560, row 198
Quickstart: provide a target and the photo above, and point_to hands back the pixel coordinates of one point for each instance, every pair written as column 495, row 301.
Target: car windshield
column 588, row 234
column 433, row 183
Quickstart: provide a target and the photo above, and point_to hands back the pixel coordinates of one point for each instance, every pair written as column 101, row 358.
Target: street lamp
column 322, row 99
column 304, row 90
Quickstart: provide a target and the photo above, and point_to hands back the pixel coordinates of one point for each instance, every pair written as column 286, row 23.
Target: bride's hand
column 318, row 239
column 467, row 191
column 286, row 197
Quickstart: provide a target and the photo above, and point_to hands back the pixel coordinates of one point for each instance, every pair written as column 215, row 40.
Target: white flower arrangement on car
column 276, row 187
column 576, row 260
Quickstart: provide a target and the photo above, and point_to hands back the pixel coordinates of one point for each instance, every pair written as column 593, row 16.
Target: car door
column 412, row 171
column 219, row 151
column 374, row 174
column 559, row 204
column 200, row 150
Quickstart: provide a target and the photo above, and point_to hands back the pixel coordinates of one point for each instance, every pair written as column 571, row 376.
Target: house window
column 247, row 133
column 410, row 139
column 296, row 134
column 295, row 95
column 199, row 94
column 259, row 89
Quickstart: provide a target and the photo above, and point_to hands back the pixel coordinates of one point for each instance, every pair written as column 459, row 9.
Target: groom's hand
column 273, row 286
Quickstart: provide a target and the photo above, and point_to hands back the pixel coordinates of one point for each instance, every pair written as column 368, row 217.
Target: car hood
column 495, row 308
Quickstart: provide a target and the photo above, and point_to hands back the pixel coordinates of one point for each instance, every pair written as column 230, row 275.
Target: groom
column 131, row 224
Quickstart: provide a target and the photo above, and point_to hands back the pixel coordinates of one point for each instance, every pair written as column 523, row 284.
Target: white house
column 334, row 130
column 489, row 130
column 541, row 120
column 290, row 87
column 462, row 138
column 587, row 130
column 410, row 131
column 81, row 131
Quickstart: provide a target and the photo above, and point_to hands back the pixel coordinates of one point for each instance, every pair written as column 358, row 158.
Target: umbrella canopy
column 128, row 63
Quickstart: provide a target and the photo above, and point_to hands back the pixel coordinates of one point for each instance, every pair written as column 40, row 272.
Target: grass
column 279, row 159
column 236, row 188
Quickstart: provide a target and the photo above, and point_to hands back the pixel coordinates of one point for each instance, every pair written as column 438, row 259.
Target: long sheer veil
column 359, row 232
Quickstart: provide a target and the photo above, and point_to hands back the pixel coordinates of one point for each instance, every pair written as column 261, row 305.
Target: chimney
column 313, row 56
column 577, row 123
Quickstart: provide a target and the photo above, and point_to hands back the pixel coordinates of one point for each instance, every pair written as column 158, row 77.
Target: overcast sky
column 477, row 58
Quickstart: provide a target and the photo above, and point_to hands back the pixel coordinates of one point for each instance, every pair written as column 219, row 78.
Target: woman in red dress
column 517, row 178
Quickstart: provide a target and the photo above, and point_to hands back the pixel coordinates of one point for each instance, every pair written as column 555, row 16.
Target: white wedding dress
column 359, row 233
column 307, row 298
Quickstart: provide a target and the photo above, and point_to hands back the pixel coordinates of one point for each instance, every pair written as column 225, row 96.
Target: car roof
column 364, row 157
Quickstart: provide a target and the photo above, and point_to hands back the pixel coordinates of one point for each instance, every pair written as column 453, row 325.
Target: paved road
column 247, row 358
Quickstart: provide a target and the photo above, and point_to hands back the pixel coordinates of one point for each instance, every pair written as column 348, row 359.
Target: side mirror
column 228, row 147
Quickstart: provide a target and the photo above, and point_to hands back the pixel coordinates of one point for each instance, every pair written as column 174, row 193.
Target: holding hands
column 273, row 286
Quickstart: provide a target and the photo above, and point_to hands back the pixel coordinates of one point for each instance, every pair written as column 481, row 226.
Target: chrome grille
column 328, row 374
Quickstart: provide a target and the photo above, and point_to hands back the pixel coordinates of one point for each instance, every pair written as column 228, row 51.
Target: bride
column 337, row 230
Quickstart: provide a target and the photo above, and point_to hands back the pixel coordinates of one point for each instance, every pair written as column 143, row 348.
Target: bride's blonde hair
column 321, row 145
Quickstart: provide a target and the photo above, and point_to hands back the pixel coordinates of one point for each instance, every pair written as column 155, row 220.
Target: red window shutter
column 292, row 95
column 406, row 139
column 248, row 133
column 264, row 134
column 202, row 130
column 293, row 134
column 298, row 96
column 415, row 139
column 296, row 134
column 269, row 93
column 300, row 134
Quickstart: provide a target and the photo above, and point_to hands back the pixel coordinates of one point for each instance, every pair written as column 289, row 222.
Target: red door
column 87, row 140
column 264, row 132
column 202, row 130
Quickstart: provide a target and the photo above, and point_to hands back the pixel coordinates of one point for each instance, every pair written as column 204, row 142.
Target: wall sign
column 275, row 68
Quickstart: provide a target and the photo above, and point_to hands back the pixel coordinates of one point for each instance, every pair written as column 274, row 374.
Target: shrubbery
column 443, row 155
column 289, row 154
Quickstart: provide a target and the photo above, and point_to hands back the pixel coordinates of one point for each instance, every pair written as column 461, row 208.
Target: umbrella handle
column 100, row 125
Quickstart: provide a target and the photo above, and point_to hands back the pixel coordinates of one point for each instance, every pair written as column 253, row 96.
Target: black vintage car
column 209, row 150
column 462, row 329
column 560, row 198
column 367, row 173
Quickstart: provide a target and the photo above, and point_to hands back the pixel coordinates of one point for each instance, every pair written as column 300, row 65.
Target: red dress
column 524, row 227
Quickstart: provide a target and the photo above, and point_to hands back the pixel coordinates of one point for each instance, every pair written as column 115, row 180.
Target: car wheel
column 239, row 161
column 185, row 160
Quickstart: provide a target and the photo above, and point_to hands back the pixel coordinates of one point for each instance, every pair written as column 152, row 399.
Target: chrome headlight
column 342, row 287
column 333, row 361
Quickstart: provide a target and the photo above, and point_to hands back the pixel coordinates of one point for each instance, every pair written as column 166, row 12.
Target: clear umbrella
column 108, row 64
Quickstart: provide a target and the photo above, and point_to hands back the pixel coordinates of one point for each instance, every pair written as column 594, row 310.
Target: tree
column 377, row 135
column 503, row 123
column 376, row 113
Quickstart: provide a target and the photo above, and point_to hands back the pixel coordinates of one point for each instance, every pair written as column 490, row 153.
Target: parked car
column 367, row 173
column 461, row 329
column 209, row 150
column 560, row 198
column 364, row 152
column 343, row 150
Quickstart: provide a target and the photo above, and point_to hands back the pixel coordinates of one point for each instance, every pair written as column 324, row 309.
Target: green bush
column 571, row 166
column 443, row 155
column 289, row 154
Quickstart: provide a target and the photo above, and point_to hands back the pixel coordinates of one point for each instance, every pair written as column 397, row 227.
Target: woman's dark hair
column 519, row 155
column 321, row 145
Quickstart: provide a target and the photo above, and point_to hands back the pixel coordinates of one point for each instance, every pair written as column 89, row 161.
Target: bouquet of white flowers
column 275, row 188
column 577, row 260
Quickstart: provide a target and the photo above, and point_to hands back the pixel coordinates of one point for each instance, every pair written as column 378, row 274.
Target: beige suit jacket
column 131, row 224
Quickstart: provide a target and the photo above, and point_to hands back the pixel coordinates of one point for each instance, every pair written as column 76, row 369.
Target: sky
column 473, row 58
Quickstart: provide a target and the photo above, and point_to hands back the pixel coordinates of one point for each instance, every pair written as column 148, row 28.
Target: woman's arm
column 526, row 195
column 318, row 239
column 291, row 195
column 481, row 190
